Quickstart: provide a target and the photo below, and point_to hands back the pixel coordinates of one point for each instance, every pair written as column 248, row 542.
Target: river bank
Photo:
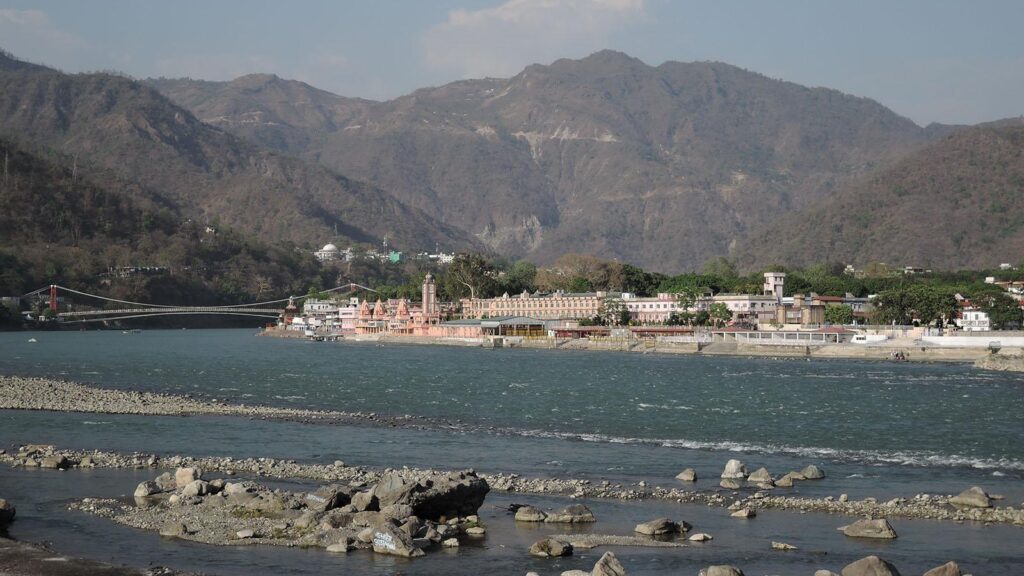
column 1001, row 362
column 911, row 351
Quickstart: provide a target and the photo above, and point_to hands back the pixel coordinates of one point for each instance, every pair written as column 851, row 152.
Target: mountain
column 106, row 122
column 58, row 225
column 661, row 166
column 958, row 203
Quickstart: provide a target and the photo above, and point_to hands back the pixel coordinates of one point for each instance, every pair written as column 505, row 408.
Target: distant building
column 328, row 253
column 974, row 320
column 1005, row 266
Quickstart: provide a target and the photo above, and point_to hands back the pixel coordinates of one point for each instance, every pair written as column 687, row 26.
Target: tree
column 839, row 314
column 720, row 313
column 467, row 275
column 1003, row 311
column 613, row 312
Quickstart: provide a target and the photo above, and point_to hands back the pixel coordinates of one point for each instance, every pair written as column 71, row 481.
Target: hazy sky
column 930, row 60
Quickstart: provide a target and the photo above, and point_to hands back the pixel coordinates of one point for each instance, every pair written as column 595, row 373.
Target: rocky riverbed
column 745, row 495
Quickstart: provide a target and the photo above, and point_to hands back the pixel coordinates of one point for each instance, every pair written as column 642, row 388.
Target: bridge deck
column 181, row 309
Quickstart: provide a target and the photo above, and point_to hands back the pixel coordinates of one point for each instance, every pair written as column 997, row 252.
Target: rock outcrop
column 878, row 528
column 734, row 470
column 550, row 548
column 660, row 526
column 973, row 497
column 575, row 514
column 947, row 569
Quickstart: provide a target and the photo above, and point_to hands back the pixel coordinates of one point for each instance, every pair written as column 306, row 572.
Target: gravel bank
column 920, row 506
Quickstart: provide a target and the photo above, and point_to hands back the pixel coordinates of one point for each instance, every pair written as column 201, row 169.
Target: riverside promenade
column 913, row 350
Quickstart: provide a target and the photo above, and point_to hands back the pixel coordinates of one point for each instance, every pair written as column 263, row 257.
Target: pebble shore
column 54, row 395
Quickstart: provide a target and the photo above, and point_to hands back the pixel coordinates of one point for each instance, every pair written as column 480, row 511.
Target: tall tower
column 773, row 284
column 431, row 313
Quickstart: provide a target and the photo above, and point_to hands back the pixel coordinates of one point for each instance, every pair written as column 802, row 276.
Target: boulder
column 7, row 513
column 389, row 539
column 782, row 546
column 812, row 472
column 761, row 477
column 786, row 481
column 450, row 543
column 397, row 511
column 246, row 533
column 721, row 570
column 947, row 569
column 575, row 573
column 183, row 476
column 744, row 513
column 608, row 565
column 476, row 531
column 195, row 488
column 825, row 573
column 688, row 475
column 55, row 462
column 174, row 530
column 530, row 514
column 878, row 528
column 973, row 497
column 550, row 548
column 730, row 484
column 147, row 488
column 658, row 526
column 870, row 566
column 434, row 496
column 700, row 537
column 166, row 482
column 575, row 514
column 328, row 498
column 365, row 501
column 734, row 470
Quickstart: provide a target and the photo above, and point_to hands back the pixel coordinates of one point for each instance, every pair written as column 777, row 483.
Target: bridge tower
column 53, row 298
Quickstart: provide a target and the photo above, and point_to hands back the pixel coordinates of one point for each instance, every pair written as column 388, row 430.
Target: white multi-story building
column 974, row 320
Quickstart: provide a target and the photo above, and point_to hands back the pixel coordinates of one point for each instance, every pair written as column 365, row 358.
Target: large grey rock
column 947, row 569
column 549, row 547
column 878, row 528
column 365, row 501
column 730, row 484
column 786, row 481
column 7, row 513
column 659, row 526
column 530, row 514
column 397, row 511
column 575, row 514
column 870, row 566
column 688, row 475
column 449, row 495
column 721, row 570
column 146, row 489
column 195, row 488
column 389, row 539
column 608, row 565
column 812, row 472
column 744, row 513
column 825, row 573
column 166, row 482
column 55, row 462
column 761, row 477
column 329, row 497
column 973, row 497
column 734, row 470
column 183, row 476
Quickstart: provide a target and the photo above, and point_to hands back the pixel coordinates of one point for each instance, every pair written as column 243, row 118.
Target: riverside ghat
column 765, row 325
column 259, row 463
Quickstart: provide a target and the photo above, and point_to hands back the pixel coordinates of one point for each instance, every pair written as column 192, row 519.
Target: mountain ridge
column 115, row 123
column 664, row 166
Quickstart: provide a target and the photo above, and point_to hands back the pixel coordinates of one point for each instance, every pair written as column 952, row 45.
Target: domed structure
column 327, row 253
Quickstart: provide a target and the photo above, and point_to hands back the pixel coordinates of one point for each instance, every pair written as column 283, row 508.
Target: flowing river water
column 878, row 429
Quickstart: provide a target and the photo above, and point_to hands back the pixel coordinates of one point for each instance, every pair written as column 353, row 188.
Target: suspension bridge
column 106, row 309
